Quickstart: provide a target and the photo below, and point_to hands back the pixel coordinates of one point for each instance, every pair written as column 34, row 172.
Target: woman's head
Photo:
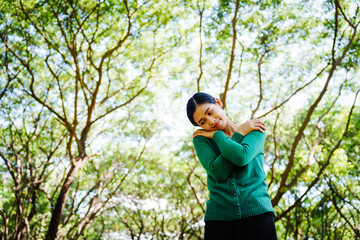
column 197, row 99
column 205, row 111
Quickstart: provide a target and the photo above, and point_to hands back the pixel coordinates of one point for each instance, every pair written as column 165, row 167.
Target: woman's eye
column 210, row 112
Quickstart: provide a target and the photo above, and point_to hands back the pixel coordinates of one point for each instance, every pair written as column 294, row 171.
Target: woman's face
column 210, row 116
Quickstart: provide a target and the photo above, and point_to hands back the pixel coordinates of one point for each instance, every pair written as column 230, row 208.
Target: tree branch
column 232, row 57
column 324, row 165
column 335, row 63
column 201, row 11
column 295, row 92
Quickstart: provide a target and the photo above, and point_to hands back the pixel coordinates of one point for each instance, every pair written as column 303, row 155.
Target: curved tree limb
column 323, row 166
column 335, row 63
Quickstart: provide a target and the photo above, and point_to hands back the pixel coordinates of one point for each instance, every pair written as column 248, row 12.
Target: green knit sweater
column 235, row 175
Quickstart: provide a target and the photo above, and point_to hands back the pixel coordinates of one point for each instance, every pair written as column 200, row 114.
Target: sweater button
column 238, row 214
column 237, row 204
column 234, row 194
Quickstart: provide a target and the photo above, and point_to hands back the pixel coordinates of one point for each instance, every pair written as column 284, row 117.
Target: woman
column 239, row 206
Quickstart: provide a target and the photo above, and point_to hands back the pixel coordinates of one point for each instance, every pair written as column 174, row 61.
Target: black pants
column 259, row 227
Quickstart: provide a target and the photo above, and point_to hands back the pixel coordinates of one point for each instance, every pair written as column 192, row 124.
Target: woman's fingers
column 258, row 124
column 198, row 132
column 205, row 133
column 195, row 133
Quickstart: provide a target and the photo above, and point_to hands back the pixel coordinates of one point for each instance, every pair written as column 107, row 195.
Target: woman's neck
column 230, row 128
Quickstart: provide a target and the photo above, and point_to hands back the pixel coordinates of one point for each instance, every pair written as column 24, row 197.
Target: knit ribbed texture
column 236, row 177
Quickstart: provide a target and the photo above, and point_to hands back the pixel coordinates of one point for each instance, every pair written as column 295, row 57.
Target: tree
column 94, row 139
column 286, row 50
column 73, row 65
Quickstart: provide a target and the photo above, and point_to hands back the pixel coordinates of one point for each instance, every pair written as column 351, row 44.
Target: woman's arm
column 218, row 166
column 215, row 165
column 240, row 154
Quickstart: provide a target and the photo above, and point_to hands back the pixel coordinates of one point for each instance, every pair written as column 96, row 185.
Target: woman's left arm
column 240, row 154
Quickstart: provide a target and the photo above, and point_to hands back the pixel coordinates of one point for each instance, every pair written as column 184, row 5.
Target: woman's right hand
column 205, row 133
column 251, row 125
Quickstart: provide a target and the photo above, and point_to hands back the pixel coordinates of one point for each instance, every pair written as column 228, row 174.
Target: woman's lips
column 217, row 124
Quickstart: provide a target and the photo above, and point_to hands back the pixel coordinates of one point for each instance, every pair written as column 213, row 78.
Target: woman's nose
column 211, row 119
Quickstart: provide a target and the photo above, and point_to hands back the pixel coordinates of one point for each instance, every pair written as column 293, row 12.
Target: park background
column 95, row 143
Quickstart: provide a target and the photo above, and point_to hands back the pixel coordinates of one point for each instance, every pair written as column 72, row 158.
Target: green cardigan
column 235, row 175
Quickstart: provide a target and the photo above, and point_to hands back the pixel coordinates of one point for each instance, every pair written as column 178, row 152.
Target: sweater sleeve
column 215, row 165
column 240, row 154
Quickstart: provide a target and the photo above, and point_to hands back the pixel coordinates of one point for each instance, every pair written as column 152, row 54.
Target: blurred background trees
column 94, row 139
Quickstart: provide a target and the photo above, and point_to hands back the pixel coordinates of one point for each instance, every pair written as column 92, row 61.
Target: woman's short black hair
column 197, row 99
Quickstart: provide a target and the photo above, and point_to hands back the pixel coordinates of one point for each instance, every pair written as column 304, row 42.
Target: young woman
column 239, row 206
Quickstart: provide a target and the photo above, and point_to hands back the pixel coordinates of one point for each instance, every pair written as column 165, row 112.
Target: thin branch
column 260, row 80
column 32, row 92
column 240, row 65
column 295, row 92
column 49, row 42
column 56, row 14
column 130, row 99
column 344, row 15
column 232, row 57
column 120, row 42
column 90, row 215
column 201, row 12
column 333, row 199
column 5, row 231
column 56, row 76
column 272, row 168
column 2, row 93
column 192, row 187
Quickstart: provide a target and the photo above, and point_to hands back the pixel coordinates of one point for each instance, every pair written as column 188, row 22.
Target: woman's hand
column 251, row 125
column 205, row 133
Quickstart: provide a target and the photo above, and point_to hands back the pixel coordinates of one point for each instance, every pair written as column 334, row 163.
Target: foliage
column 94, row 139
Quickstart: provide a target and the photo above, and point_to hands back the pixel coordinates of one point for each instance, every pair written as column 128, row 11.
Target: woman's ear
column 219, row 102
